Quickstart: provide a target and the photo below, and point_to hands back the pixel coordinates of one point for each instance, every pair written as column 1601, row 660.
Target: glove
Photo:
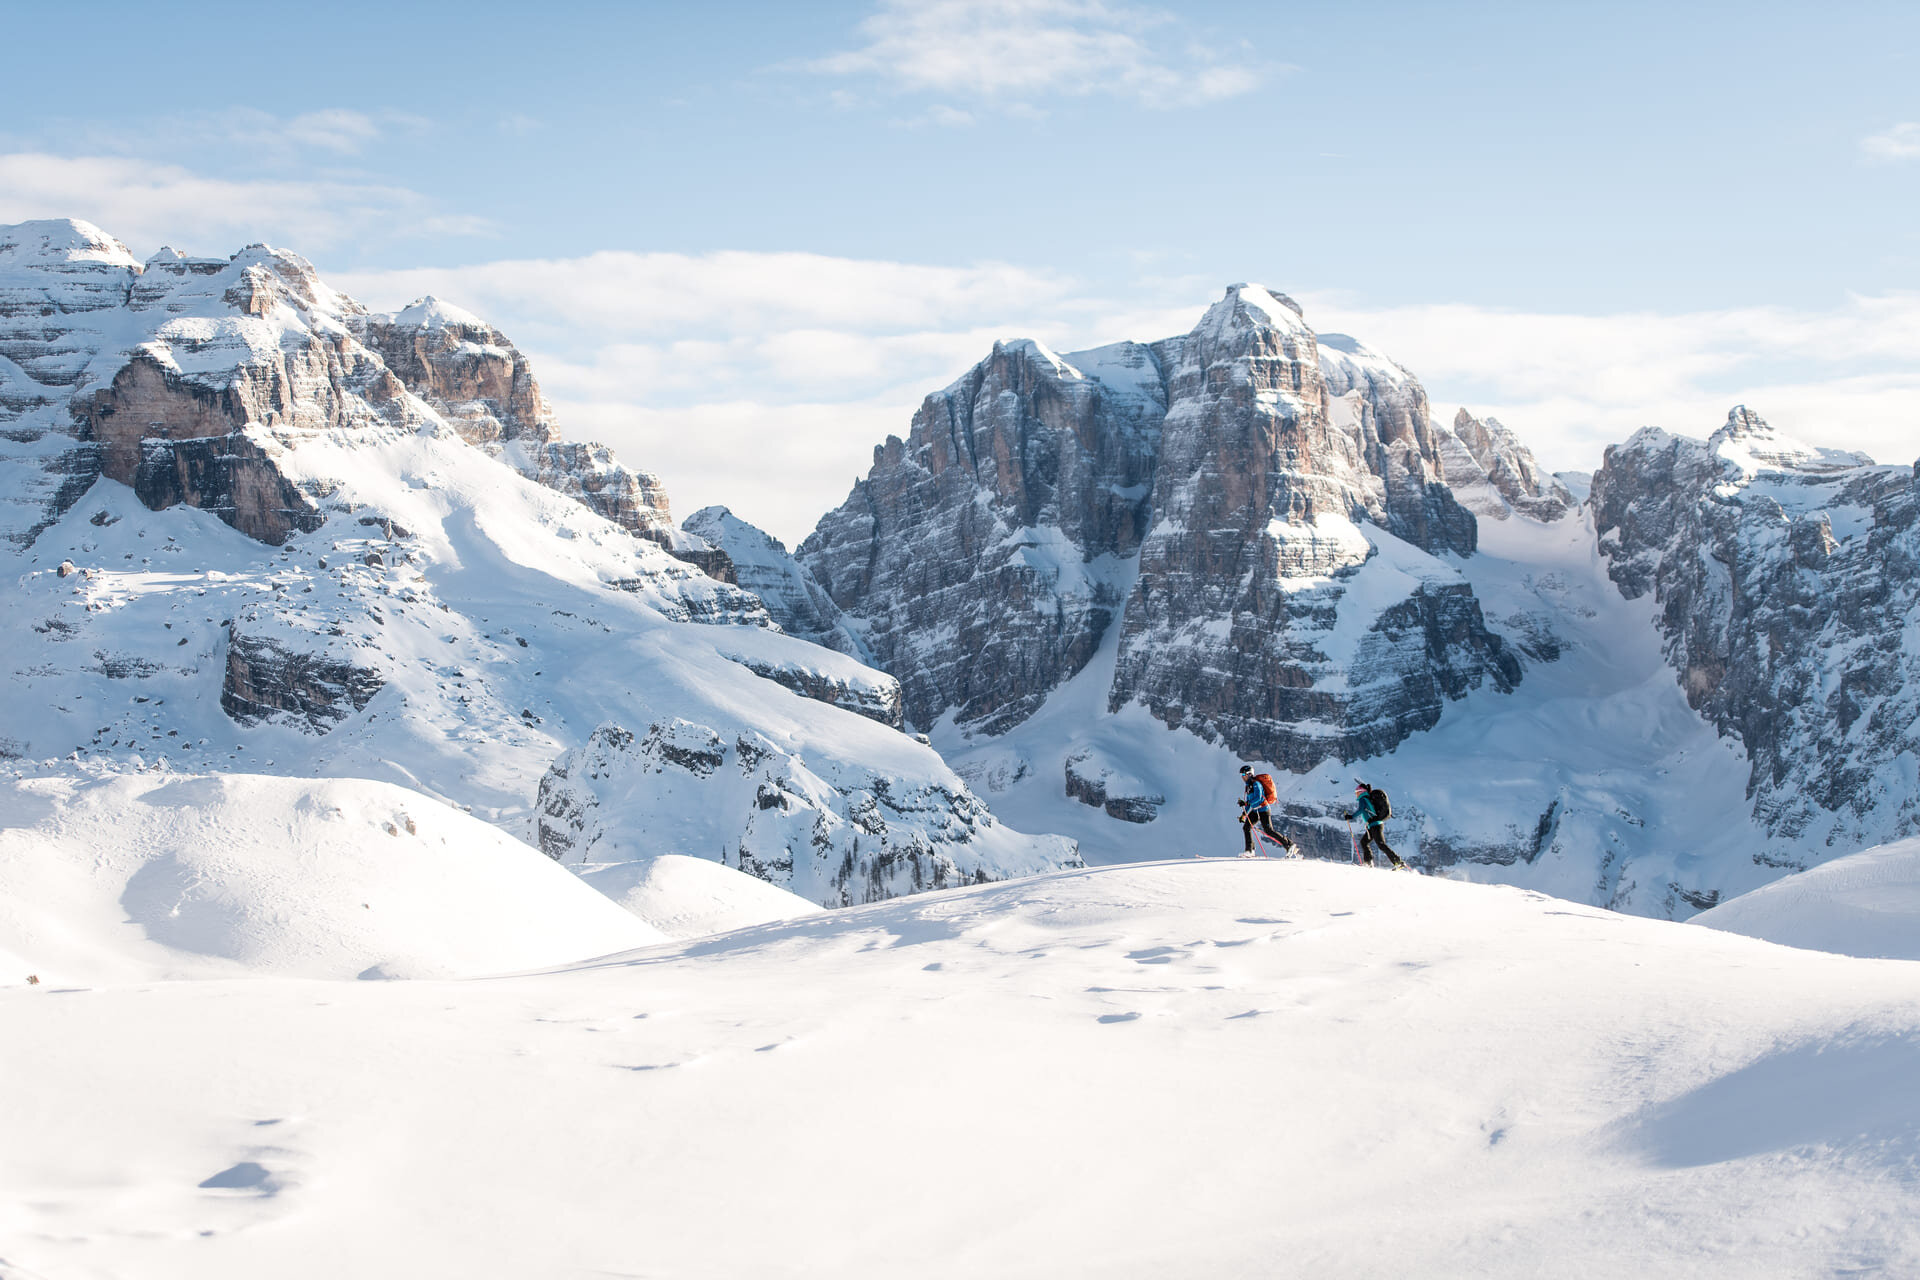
column 1347, row 817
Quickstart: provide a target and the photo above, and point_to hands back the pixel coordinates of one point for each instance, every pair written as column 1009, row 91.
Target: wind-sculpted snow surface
column 374, row 582
column 1788, row 587
column 131, row 877
column 1198, row 1069
column 1865, row 904
column 1260, row 514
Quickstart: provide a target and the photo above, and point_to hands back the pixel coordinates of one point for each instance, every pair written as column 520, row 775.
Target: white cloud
column 1902, row 142
column 335, row 129
column 260, row 137
column 764, row 380
column 1008, row 49
column 148, row 205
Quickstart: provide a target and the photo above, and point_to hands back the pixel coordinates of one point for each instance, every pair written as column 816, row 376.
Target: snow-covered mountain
column 247, row 542
column 1380, row 594
column 1788, row 585
column 170, row 376
column 1262, row 517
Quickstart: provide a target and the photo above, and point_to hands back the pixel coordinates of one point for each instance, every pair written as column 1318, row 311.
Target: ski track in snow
column 1164, row 1069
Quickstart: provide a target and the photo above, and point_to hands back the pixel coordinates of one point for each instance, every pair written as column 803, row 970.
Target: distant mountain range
column 255, row 527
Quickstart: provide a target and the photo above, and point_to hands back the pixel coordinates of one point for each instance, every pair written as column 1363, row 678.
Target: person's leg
column 1246, row 829
column 1380, row 839
column 1266, row 825
column 1366, row 847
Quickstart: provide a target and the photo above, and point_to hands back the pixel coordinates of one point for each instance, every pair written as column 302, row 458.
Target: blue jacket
column 1363, row 809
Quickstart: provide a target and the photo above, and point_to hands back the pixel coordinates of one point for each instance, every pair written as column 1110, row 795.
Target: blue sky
column 741, row 241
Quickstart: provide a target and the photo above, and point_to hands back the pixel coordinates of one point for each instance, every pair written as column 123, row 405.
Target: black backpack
column 1382, row 807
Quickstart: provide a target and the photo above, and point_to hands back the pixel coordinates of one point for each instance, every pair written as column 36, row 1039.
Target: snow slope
column 1191, row 1069
column 1866, row 904
column 138, row 877
column 686, row 897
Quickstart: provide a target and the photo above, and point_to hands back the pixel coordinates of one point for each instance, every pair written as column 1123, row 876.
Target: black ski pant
column 1265, row 822
column 1373, row 836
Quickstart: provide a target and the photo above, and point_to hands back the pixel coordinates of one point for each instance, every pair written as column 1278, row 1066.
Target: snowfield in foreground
column 1164, row 1069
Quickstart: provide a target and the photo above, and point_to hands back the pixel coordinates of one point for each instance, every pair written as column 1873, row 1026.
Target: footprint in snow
column 248, row 1175
column 1117, row 1017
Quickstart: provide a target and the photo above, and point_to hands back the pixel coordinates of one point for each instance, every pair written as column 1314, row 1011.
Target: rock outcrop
column 1788, row 585
column 1209, row 496
column 833, row 835
column 304, row 690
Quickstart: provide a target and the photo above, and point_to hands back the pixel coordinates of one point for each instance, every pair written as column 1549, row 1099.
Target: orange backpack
column 1266, row 786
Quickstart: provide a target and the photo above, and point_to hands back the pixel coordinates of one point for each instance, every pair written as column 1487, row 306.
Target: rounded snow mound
column 1866, row 904
column 141, row 876
column 685, row 897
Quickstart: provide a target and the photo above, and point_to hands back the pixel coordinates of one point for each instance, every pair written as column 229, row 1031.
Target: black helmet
column 1246, row 768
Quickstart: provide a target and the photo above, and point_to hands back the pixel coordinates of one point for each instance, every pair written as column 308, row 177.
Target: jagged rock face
column 838, row 838
column 1788, row 583
column 794, row 598
column 1094, row 780
column 267, row 683
column 980, row 556
column 1204, row 486
column 187, row 378
column 1263, row 474
column 864, row 691
column 1387, row 408
column 1494, row 475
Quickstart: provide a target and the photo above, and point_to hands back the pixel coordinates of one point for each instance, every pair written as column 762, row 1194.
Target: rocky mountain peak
column 186, row 377
column 1495, row 475
column 1752, row 444
column 1256, row 305
column 433, row 313
column 1208, row 489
